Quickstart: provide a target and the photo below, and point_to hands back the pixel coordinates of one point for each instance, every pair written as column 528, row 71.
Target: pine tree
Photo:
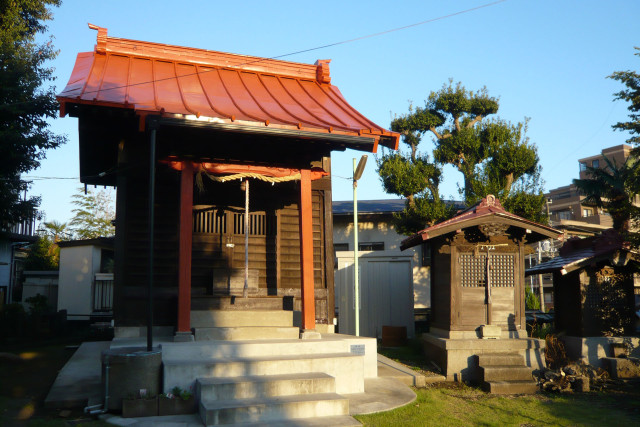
column 494, row 157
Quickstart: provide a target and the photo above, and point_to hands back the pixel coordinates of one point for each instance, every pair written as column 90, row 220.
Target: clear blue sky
column 545, row 59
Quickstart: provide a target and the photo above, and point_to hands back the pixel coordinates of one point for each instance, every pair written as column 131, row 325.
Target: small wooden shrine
column 222, row 168
column 477, row 291
column 477, row 270
column 593, row 286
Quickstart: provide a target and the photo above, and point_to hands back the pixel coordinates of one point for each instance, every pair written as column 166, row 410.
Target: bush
column 531, row 299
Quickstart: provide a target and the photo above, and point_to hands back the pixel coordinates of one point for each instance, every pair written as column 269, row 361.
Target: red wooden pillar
column 184, row 257
column 306, row 252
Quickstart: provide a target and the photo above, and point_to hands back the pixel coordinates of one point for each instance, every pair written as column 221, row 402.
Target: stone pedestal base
column 310, row 334
column 458, row 358
column 183, row 337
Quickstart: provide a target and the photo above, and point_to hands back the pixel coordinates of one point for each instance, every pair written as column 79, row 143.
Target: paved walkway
column 79, row 384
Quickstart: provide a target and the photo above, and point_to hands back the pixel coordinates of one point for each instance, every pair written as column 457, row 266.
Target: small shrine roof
column 577, row 253
column 204, row 85
column 487, row 209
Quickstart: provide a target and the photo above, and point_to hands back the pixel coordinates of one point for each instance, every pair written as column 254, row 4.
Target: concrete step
column 346, row 368
column 334, row 421
column 254, row 348
column 246, row 333
column 231, row 318
column 505, row 373
column 232, row 411
column 208, row 302
column 490, row 359
column 264, row 386
column 511, row 387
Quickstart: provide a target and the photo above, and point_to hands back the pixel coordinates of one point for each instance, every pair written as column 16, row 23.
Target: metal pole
column 245, row 291
column 152, row 201
column 355, row 251
column 541, row 285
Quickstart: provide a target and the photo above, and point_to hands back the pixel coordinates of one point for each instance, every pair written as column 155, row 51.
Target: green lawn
column 455, row 405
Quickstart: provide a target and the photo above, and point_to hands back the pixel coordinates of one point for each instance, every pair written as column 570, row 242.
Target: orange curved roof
column 221, row 87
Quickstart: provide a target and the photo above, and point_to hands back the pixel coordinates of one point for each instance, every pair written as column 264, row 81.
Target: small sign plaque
column 357, row 349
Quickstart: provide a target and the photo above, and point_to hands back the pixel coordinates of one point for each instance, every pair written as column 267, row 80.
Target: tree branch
column 478, row 118
column 438, row 136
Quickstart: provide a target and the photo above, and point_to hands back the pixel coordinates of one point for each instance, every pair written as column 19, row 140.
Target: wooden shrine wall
column 218, row 240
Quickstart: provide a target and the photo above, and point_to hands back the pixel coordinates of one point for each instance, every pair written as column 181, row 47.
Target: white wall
column 376, row 228
column 78, row 265
column 40, row 282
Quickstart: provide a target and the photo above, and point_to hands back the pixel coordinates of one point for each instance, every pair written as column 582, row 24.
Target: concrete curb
column 393, row 369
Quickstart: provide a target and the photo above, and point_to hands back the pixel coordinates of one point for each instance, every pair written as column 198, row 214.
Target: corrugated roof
column 489, row 206
column 225, row 88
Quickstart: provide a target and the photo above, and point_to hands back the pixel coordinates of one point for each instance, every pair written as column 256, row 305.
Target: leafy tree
column 93, row 214
column 612, row 189
column 40, row 257
column 494, row 157
column 25, row 102
column 631, row 94
column 630, row 171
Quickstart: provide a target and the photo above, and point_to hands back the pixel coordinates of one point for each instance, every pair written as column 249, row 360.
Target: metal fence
column 103, row 292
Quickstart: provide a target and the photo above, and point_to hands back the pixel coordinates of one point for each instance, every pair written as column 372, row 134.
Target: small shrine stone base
column 458, row 357
column 593, row 350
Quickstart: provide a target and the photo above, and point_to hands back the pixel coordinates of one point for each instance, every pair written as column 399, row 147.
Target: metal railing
column 24, row 228
column 103, row 292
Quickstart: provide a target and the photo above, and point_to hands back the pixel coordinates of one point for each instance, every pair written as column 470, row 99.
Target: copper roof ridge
column 205, row 57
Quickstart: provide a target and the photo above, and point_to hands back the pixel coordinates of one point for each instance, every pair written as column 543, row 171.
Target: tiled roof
column 368, row 206
column 488, row 207
column 153, row 78
column 577, row 253
column 383, row 206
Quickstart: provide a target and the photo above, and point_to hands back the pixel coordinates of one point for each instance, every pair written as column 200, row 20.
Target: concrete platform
column 78, row 384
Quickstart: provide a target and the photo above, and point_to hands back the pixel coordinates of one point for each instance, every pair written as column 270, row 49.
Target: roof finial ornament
column 322, row 71
column 491, row 200
column 101, row 43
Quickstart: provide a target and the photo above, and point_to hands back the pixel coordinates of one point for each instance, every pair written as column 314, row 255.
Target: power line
column 405, row 27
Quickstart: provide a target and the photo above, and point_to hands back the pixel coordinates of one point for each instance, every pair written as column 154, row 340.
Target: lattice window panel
column 473, row 270
column 593, row 297
column 502, row 270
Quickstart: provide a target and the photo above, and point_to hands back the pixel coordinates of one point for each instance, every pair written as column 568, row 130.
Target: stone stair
column 236, row 324
column 506, row 373
column 269, row 382
column 270, row 398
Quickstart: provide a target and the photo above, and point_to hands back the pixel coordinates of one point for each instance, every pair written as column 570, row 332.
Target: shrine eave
column 229, row 92
column 488, row 210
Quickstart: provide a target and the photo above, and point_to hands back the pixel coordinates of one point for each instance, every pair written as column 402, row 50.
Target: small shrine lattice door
column 487, row 286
